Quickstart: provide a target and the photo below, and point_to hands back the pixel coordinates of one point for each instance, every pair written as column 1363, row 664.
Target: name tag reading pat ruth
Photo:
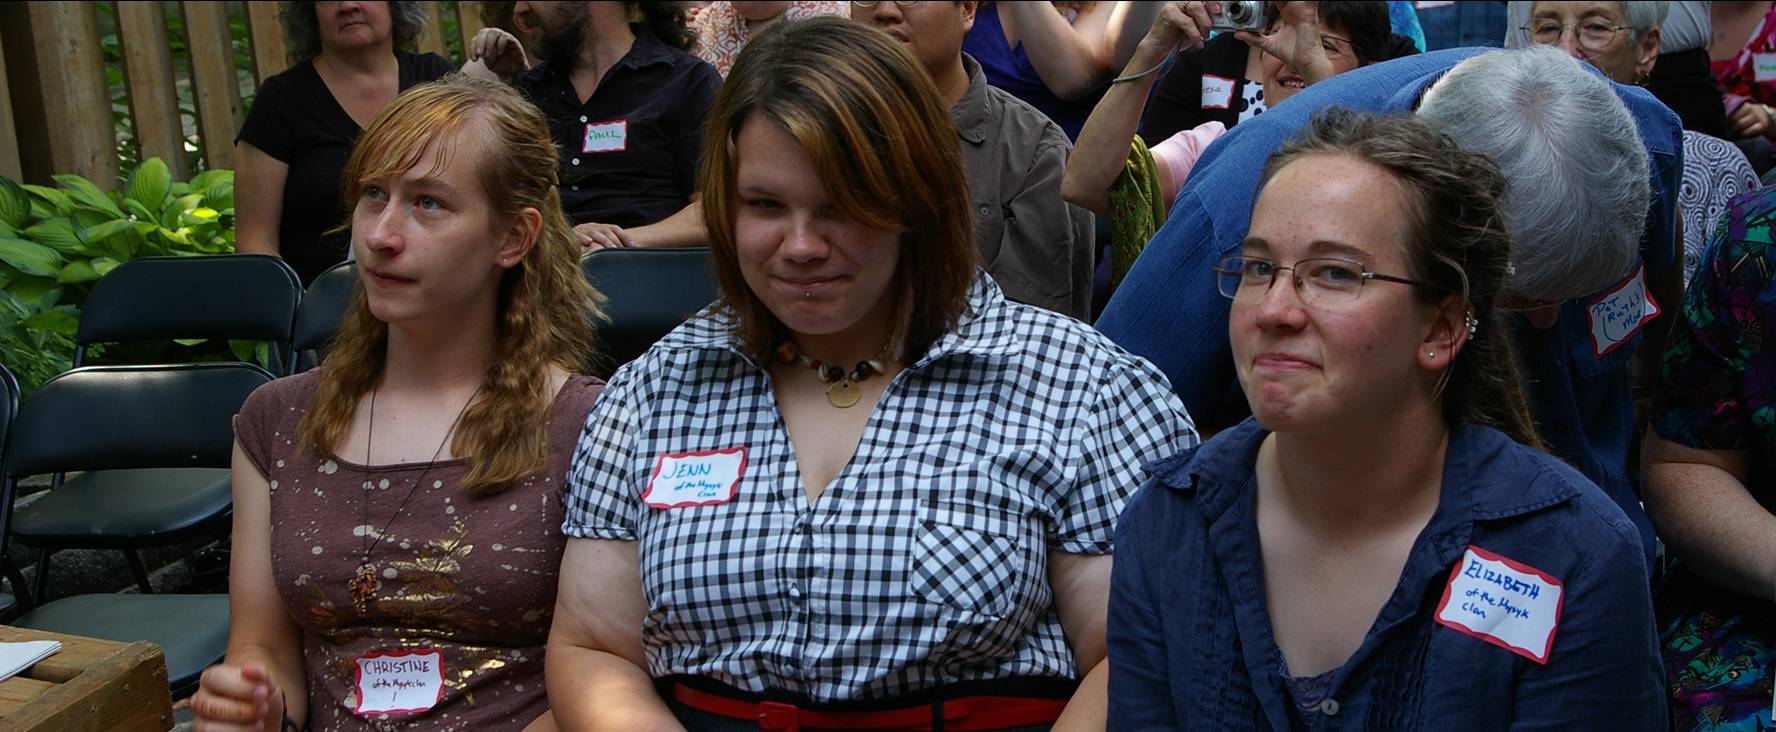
column 606, row 137
column 399, row 682
column 1504, row 602
column 703, row 478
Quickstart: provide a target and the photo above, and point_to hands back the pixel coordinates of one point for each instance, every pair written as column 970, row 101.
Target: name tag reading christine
column 1617, row 316
column 701, row 478
column 1217, row 92
column 606, row 137
column 399, row 682
column 1509, row 604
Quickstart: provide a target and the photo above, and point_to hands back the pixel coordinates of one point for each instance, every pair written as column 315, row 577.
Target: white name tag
column 1217, row 92
column 695, row 478
column 606, row 137
column 1511, row 605
column 399, row 682
column 1763, row 66
column 1617, row 316
column 1431, row 4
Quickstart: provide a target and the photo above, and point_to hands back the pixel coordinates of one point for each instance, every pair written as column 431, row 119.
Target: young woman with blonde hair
column 398, row 510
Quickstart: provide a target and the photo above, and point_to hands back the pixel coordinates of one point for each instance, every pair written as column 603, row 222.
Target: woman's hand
column 237, row 698
column 500, row 50
column 1184, row 24
column 1296, row 43
column 1752, row 119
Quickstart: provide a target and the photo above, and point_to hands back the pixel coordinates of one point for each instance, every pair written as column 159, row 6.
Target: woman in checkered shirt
column 863, row 489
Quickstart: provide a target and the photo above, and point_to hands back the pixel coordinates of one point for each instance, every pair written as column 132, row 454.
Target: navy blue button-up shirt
column 1190, row 639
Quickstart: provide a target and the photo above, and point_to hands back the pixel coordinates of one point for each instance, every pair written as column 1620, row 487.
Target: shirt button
column 582, row 118
column 1329, row 707
column 575, row 186
column 984, row 210
column 795, row 591
column 576, row 161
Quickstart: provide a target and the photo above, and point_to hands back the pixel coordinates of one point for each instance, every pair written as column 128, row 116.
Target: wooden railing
column 58, row 89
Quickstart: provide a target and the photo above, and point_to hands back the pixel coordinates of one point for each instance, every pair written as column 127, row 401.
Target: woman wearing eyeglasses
column 1380, row 546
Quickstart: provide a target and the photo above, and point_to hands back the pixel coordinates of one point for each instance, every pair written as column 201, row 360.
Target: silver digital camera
column 1240, row 15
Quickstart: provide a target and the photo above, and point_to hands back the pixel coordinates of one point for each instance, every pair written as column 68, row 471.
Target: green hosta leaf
column 140, row 212
column 29, row 258
column 85, row 193
column 205, row 180
column 220, row 196
column 32, row 288
column 15, row 204
column 55, row 202
column 77, row 271
column 149, row 184
column 60, row 320
column 189, row 342
column 104, row 265
column 110, row 237
column 57, row 234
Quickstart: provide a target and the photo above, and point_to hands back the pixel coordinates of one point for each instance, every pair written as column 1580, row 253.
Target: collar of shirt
column 986, row 329
column 1478, row 471
column 646, row 51
column 970, row 112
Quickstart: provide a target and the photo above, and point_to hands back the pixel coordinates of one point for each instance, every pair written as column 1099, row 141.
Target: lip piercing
column 807, row 294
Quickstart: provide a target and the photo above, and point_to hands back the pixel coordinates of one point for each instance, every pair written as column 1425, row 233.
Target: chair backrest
column 9, row 398
column 239, row 296
column 125, row 417
column 648, row 293
column 323, row 309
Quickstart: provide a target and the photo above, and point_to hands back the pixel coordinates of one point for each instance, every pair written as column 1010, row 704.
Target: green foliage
column 56, row 242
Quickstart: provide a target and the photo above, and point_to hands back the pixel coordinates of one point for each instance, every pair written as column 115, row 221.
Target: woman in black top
column 289, row 153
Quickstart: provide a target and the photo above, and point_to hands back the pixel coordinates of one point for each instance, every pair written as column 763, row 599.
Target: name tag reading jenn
column 1617, row 316
column 606, row 137
column 399, row 682
column 701, row 478
column 1506, row 603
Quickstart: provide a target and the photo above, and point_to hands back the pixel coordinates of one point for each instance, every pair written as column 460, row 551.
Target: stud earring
column 1473, row 324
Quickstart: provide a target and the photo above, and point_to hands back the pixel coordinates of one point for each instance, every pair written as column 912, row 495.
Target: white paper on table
column 16, row 657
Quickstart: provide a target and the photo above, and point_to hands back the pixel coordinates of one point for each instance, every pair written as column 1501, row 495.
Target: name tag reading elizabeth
column 1506, row 603
column 1217, row 92
column 702, row 478
column 606, row 137
column 399, row 682
column 1617, row 316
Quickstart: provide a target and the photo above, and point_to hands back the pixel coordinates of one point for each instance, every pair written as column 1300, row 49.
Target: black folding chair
column 235, row 296
column 128, row 418
column 648, row 293
column 322, row 310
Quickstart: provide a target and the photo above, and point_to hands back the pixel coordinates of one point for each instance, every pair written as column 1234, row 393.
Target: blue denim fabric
column 1190, row 638
column 1168, row 311
column 1463, row 24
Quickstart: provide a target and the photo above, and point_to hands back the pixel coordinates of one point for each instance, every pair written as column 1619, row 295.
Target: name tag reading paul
column 1506, row 603
column 610, row 136
column 399, row 682
column 1617, row 316
column 703, row 478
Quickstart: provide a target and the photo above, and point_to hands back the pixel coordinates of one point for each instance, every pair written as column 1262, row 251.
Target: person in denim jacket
column 1381, row 546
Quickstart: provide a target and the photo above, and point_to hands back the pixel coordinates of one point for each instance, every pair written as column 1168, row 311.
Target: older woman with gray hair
column 1592, row 170
column 351, row 58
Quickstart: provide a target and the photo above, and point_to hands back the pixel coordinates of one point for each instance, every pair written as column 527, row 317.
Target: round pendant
column 842, row 394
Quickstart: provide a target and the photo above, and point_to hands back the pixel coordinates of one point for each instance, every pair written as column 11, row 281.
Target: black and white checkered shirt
column 925, row 561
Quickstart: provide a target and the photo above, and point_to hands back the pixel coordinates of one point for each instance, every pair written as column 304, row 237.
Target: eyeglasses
column 873, row 3
column 1594, row 35
column 1320, row 281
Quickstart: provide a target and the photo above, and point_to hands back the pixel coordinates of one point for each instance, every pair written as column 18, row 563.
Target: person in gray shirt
column 1036, row 246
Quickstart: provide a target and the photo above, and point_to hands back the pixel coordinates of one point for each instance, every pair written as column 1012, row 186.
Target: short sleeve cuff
column 580, row 531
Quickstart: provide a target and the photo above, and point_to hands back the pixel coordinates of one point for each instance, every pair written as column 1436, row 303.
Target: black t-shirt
column 1182, row 99
column 296, row 120
column 629, row 153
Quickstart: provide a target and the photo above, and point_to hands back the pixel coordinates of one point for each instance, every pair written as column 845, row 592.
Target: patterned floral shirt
column 721, row 32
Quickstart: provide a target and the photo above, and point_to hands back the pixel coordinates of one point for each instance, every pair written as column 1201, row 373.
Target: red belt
column 962, row 714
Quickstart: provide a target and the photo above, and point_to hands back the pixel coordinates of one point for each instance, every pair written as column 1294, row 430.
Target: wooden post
column 69, row 113
column 268, row 40
column 468, row 22
column 213, row 80
column 148, row 67
column 10, row 165
column 433, row 38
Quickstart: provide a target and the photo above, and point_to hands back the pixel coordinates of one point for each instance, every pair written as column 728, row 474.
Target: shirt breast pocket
column 972, row 557
column 989, row 228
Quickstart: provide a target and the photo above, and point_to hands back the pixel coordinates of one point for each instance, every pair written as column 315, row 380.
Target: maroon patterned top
column 472, row 577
